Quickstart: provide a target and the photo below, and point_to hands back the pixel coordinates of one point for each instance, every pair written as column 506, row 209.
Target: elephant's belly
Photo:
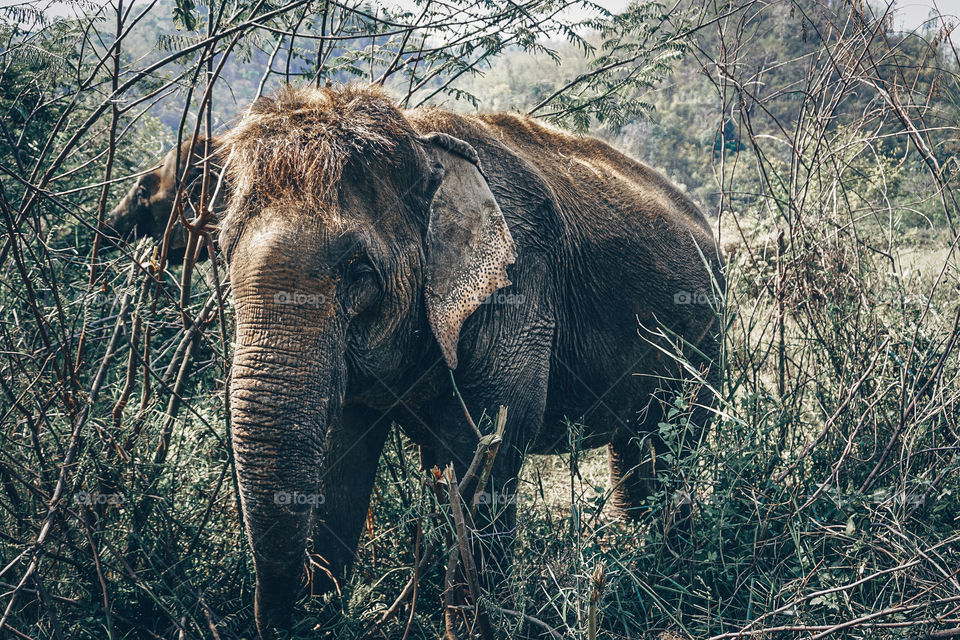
column 585, row 412
column 557, row 435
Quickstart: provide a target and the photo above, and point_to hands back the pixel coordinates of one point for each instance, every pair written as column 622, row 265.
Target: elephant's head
column 145, row 209
column 356, row 246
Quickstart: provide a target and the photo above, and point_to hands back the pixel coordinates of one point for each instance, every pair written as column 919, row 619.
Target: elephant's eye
column 363, row 283
column 361, row 269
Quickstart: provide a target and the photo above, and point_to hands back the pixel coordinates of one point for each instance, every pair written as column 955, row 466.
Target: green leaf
column 183, row 16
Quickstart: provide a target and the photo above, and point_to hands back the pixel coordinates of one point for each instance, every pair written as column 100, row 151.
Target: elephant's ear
column 468, row 243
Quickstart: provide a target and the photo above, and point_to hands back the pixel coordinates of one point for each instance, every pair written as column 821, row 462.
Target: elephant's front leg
column 513, row 376
column 353, row 449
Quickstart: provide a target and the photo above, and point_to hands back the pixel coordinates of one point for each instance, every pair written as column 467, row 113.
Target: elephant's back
column 599, row 192
column 584, row 169
column 614, row 210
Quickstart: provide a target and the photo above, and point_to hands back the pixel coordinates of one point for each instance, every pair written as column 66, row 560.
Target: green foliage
column 637, row 48
column 183, row 15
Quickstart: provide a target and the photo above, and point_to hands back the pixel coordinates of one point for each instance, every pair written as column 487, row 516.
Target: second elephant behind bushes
column 146, row 208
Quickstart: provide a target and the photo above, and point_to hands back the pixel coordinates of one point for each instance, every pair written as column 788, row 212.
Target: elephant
column 146, row 207
column 379, row 256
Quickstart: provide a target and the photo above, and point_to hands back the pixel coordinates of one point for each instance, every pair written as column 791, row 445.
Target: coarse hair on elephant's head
column 146, row 208
column 348, row 236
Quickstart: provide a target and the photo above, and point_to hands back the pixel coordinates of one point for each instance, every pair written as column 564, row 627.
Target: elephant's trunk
column 120, row 220
column 134, row 214
column 285, row 392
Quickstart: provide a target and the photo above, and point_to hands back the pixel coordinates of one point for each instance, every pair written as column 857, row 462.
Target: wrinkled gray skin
column 145, row 210
column 597, row 249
